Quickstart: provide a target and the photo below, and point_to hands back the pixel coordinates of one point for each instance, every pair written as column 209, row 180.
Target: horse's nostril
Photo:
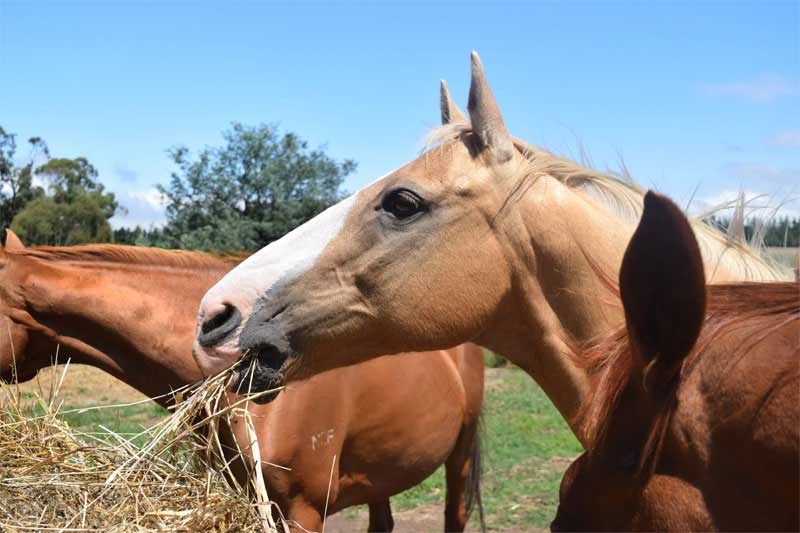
column 215, row 321
column 220, row 326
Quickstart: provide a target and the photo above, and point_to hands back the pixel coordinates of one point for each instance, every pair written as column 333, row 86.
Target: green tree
column 777, row 232
column 248, row 192
column 46, row 221
column 74, row 210
column 128, row 235
column 16, row 182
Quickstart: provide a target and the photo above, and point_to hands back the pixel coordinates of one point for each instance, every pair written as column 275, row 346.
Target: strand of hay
column 53, row 478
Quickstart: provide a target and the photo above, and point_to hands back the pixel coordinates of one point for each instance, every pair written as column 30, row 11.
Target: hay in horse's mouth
column 260, row 370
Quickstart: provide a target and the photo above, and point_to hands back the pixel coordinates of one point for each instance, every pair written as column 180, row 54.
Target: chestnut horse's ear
column 487, row 122
column 12, row 241
column 450, row 111
column 662, row 284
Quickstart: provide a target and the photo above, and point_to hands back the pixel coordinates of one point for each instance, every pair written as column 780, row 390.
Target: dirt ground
column 422, row 519
column 83, row 386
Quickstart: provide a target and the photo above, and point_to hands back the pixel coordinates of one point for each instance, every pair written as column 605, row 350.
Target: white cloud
column 145, row 208
column 151, row 197
column 39, row 181
column 758, row 204
column 766, row 88
column 785, row 139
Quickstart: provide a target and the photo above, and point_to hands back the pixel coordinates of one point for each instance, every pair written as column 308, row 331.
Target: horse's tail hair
column 472, row 495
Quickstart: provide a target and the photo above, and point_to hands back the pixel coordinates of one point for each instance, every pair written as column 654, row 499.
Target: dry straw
column 53, row 478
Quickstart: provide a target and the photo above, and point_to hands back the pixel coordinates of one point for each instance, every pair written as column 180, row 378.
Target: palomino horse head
column 15, row 335
column 386, row 270
column 482, row 238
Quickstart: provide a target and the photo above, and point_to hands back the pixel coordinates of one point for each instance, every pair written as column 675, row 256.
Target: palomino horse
column 483, row 238
column 695, row 417
column 130, row 311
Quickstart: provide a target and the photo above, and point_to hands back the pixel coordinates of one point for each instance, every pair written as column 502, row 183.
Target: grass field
column 527, row 447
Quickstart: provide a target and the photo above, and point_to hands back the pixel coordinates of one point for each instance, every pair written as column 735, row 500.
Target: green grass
column 527, row 446
column 126, row 420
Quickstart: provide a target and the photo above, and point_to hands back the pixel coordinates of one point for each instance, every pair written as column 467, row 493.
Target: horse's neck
column 136, row 323
column 560, row 296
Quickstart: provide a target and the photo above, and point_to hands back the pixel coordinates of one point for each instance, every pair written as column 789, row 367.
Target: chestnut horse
column 131, row 312
column 694, row 418
column 483, row 238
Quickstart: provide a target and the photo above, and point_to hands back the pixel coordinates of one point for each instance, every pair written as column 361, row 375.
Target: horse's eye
column 402, row 203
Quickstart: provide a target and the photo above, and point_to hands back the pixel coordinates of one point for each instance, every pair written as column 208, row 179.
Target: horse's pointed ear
column 450, row 111
column 487, row 122
column 12, row 241
column 662, row 284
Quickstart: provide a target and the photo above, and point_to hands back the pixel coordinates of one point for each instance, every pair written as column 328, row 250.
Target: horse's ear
column 662, row 284
column 487, row 122
column 450, row 111
column 12, row 241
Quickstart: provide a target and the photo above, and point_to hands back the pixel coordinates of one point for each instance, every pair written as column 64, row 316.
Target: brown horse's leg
column 457, row 473
column 380, row 517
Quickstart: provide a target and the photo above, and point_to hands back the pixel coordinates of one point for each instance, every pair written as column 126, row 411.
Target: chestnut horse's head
column 376, row 274
column 662, row 285
column 15, row 335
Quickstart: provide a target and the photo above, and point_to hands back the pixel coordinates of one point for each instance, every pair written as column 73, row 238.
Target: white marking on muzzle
column 279, row 262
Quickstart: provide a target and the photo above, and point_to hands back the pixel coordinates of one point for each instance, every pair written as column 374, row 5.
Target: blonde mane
column 624, row 198
column 129, row 255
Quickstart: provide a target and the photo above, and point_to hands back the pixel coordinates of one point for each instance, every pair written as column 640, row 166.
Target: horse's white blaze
column 278, row 263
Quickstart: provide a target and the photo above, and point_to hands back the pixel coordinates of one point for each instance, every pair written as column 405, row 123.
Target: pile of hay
column 53, row 478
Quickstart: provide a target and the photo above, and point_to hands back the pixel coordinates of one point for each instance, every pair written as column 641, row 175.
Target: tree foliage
column 46, row 221
column 250, row 191
column 16, row 182
column 778, row 232
column 72, row 208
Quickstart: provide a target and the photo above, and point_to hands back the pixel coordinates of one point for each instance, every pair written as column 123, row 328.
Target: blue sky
column 691, row 94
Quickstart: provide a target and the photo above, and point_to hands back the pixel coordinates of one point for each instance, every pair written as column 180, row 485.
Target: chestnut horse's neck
column 131, row 316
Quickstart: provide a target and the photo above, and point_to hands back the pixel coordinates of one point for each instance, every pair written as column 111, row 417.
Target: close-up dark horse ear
column 662, row 284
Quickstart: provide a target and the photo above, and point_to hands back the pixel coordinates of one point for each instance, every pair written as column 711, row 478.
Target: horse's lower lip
column 227, row 352
column 212, row 361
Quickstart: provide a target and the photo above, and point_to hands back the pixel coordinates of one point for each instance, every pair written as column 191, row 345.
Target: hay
column 53, row 478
